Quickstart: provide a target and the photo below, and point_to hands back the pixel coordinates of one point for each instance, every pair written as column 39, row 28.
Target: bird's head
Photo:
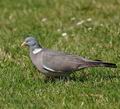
column 31, row 42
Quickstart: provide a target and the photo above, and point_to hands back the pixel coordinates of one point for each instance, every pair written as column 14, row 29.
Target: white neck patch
column 37, row 50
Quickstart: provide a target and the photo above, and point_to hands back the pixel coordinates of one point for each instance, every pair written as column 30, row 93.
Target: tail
column 100, row 64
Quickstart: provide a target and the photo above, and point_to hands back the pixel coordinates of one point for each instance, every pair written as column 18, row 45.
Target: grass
column 93, row 31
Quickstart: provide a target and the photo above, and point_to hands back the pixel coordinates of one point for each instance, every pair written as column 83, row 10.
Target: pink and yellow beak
column 23, row 44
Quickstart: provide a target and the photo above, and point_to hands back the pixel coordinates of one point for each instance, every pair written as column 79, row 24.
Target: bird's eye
column 27, row 41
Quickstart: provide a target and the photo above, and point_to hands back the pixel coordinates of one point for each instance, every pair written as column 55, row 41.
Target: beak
column 23, row 44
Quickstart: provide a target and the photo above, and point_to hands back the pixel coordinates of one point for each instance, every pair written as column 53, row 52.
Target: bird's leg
column 64, row 78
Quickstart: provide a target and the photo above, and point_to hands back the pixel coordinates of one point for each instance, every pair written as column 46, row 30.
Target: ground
column 89, row 28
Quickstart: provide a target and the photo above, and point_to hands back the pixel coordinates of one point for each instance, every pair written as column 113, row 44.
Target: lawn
column 89, row 28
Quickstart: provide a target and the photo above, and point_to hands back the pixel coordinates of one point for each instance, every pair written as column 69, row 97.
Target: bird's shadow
column 83, row 77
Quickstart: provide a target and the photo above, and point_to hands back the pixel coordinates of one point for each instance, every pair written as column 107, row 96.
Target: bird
column 53, row 63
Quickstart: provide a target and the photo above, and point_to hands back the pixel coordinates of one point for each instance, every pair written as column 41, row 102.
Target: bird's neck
column 37, row 46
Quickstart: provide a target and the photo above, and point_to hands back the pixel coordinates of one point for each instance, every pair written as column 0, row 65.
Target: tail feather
column 100, row 64
column 112, row 65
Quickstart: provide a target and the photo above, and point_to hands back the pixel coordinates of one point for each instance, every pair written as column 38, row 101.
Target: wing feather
column 61, row 62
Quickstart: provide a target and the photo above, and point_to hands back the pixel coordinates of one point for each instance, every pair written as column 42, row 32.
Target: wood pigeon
column 56, row 64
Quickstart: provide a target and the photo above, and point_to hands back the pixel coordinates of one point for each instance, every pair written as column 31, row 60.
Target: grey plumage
column 53, row 63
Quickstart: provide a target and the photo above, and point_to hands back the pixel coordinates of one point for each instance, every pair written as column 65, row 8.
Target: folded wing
column 61, row 62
